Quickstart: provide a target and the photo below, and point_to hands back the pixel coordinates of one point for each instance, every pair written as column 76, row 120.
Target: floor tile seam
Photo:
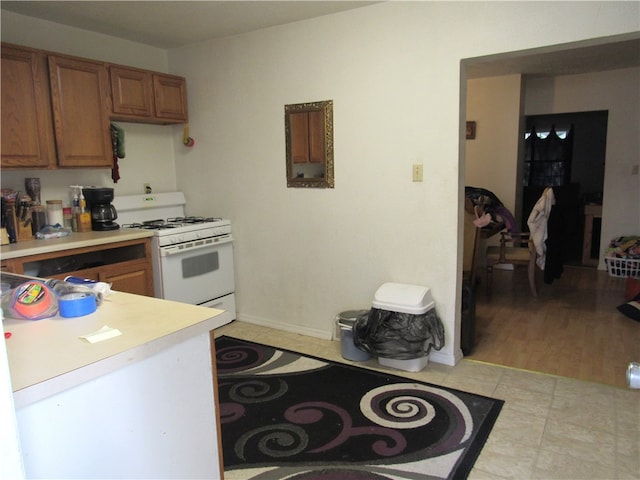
column 525, row 445
column 491, row 474
column 589, row 425
column 527, row 371
column 534, row 395
column 536, row 459
column 542, row 450
column 574, row 457
column 548, row 437
column 522, row 410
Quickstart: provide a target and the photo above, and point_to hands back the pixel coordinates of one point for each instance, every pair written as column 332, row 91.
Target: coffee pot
column 103, row 213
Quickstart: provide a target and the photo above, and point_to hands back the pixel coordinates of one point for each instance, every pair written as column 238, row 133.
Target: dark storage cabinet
column 468, row 322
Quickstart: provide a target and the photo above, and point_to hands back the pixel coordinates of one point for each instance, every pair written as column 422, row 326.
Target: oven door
column 196, row 272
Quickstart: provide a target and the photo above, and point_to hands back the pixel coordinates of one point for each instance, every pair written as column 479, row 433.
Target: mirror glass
column 309, row 138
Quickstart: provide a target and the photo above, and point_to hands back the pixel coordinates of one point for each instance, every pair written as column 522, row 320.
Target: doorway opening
column 567, row 152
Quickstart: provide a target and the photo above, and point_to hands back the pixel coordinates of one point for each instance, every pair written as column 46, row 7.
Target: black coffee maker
column 103, row 213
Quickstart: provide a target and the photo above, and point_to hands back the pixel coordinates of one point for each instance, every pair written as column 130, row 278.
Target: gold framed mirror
column 309, row 142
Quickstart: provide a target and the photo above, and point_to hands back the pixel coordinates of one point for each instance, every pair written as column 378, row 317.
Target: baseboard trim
column 434, row 356
column 446, row 358
column 287, row 327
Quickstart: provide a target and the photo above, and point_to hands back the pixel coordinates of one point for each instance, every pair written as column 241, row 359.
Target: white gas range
column 192, row 256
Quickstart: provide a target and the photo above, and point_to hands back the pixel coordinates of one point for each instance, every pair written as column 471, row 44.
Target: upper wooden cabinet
column 171, row 97
column 56, row 109
column 131, row 92
column 307, row 137
column 144, row 96
column 79, row 90
column 27, row 128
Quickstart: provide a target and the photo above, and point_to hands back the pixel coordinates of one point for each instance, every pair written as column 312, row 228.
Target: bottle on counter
column 67, row 214
column 75, row 209
column 38, row 218
column 83, row 217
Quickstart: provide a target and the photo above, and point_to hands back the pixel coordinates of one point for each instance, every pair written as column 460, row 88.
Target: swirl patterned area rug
column 289, row 416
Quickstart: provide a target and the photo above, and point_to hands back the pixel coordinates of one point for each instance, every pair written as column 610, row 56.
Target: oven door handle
column 183, row 248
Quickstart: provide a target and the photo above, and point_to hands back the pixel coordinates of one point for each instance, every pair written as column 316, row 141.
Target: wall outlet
column 146, row 188
column 417, row 172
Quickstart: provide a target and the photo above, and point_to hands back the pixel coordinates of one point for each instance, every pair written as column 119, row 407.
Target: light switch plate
column 417, row 172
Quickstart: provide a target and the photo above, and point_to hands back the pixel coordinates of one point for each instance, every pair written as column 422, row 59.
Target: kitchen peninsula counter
column 141, row 404
column 48, row 356
column 73, row 240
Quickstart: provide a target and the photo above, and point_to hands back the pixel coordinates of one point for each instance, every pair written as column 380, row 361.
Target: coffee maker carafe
column 103, row 213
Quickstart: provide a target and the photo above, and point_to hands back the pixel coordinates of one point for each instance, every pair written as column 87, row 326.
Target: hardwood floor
column 571, row 329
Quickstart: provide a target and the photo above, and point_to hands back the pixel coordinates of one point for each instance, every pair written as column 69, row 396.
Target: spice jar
column 68, row 218
column 54, row 212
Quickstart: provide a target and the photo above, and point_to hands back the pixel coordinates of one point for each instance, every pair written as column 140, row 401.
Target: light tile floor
column 550, row 427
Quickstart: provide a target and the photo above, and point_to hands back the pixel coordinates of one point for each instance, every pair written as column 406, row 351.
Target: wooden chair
column 515, row 249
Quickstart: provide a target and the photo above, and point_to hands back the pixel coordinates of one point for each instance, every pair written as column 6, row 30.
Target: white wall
column 393, row 72
column 491, row 158
column 149, row 148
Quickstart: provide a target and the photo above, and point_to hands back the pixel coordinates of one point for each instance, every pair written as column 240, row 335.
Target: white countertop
column 47, row 356
column 74, row 240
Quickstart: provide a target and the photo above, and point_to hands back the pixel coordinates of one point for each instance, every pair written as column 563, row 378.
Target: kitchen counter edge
column 74, row 240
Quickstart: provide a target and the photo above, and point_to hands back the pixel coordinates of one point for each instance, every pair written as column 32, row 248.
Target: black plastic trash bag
column 398, row 336
column 483, row 197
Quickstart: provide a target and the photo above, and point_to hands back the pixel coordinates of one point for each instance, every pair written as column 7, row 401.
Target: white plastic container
column 403, row 298
column 399, row 297
column 413, row 365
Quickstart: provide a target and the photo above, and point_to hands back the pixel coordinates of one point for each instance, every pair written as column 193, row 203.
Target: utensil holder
column 22, row 228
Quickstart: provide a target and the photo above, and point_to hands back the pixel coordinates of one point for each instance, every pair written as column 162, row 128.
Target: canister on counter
column 54, row 212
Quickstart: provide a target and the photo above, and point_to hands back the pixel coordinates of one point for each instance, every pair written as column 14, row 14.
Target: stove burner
column 192, row 219
column 148, row 226
column 173, row 222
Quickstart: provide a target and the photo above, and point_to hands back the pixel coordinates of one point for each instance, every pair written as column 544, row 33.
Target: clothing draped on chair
column 537, row 222
column 551, row 222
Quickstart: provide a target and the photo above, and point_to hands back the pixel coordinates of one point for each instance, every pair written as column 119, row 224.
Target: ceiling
column 596, row 55
column 171, row 24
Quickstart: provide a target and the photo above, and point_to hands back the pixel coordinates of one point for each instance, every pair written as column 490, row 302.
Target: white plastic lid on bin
column 399, row 297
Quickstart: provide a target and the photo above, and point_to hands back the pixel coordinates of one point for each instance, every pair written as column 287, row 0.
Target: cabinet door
column 131, row 91
column 136, row 279
column 170, row 97
column 27, row 128
column 299, row 125
column 80, row 112
column 316, row 136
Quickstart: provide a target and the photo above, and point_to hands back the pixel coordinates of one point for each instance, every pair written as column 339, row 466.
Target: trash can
column 401, row 327
column 345, row 321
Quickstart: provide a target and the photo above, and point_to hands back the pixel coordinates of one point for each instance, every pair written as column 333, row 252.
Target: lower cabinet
column 132, row 278
column 125, row 265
